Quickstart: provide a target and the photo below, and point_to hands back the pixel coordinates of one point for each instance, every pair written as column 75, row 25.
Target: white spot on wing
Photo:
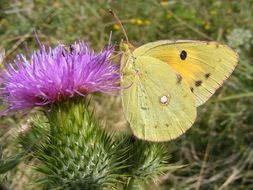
column 164, row 99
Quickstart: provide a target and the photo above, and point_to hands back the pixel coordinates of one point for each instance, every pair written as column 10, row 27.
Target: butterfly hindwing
column 146, row 87
column 203, row 65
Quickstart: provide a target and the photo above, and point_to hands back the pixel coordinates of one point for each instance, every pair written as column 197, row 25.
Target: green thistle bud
column 78, row 155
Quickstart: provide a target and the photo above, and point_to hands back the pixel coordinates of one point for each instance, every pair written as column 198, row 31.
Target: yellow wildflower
column 206, row 25
column 147, row 22
column 164, row 2
column 139, row 21
column 132, row 21
column 116, row 27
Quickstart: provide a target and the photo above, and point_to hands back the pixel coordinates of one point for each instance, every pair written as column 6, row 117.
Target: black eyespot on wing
column 198, row 83
column 207, row 75
column 192, row 89
column 183, row 55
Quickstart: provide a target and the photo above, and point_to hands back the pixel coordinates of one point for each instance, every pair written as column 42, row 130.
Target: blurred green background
column 218, row 148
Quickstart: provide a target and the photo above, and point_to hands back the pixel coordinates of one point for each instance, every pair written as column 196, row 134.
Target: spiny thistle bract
column 147, row 161
column 74, row 152
column 79, row 154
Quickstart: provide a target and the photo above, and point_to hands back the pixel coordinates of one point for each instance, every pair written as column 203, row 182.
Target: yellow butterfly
column 164, row 82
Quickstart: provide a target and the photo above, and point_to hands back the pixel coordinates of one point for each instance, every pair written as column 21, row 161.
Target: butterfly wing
column 203, row 65
column 145, row 91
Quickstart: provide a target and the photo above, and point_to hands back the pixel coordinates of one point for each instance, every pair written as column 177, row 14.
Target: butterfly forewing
column 203, row 65
column 158, row 105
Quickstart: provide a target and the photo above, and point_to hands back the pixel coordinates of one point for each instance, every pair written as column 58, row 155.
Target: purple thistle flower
column 55, row 73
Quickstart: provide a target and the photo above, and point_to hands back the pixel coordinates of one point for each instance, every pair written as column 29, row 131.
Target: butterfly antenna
column 119, row 23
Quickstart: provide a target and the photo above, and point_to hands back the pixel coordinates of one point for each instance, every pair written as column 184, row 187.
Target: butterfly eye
column 183, row 55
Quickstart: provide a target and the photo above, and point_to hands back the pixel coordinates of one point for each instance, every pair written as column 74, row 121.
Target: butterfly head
column 127, row 55
column 126, row 47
